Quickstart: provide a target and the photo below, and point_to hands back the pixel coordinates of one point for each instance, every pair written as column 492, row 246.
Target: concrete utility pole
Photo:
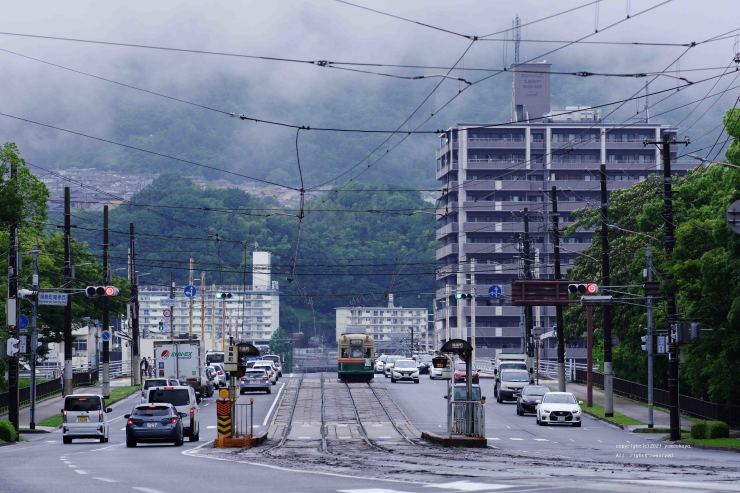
column 106, row 316
column 135, row 357
column 528, row 322
column 447, row 312
column 606, row 309
column 203, row 309
column 560, row 329
column 213, row 316
column 34, row 332
column 472, row 307
column 68, row 282
column 172, row 327
column 649, row 341
column 460, row 328
column 190, row 302
column 13, row 308
column 589, row 355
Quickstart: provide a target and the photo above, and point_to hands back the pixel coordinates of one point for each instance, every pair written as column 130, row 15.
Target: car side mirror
column 580, row 403
column 127, row 416
column 109, row 410
column 183, row 415
column 445, row 396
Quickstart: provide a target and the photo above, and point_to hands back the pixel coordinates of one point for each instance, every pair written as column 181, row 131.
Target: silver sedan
column 255, row 380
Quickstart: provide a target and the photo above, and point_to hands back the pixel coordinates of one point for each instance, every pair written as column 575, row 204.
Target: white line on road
column 516, row 439
column 51, row 441
column 123, row 429
column 107, row 447
column 211, row 427
column 80, row 471
column 384, row 438
column 542, row 440
column 277, row 398
column 146, row 490
column 492, row 438
column 71, row 465
column 106, row 480
column 470, row 486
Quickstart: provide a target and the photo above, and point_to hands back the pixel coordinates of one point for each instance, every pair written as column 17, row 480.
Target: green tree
column 281, row 345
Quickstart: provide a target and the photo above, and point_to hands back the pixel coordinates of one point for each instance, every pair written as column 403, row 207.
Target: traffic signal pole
column 606, row 309
column 560, row 330
column 68, row 282
column 34, row 333
column 105, row 308
column 649, row 342
column 13, row 312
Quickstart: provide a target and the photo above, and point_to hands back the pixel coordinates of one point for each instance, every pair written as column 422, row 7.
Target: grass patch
column 116, row 394
column 728, row 443
column 53, row 421
column 618, row 418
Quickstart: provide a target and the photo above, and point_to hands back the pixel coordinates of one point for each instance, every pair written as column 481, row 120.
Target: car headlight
column 545, row 411
column 576, row 411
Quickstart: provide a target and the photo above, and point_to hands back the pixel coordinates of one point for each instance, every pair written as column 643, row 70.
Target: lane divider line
column 106, row 480
column 277, row 399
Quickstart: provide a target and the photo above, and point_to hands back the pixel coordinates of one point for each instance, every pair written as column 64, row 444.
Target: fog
column 307, row 94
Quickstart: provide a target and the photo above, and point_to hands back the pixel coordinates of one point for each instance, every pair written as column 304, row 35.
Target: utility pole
column 172, row 327
column 34, row 332
column 589, row 355
column 560, row 329
column 13, row 311
column 669, row 242
column 190, row 301
column 213, row 316
column 106, row 316
column 528, row 322
column 472, row 308
column 649, row 342
column 135, row 365
column 606, row 309
column 447, row 312
column 203, row 309
column 68, row 282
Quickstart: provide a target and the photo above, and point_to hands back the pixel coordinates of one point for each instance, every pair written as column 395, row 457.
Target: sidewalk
column 622, row 405
column 51, row 407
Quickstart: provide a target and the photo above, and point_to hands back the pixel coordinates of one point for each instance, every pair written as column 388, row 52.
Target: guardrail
column 468, row 418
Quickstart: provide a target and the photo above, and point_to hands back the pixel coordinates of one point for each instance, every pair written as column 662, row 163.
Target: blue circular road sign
column 105, row 335
column 22, row 321
column 495, row 291
column 190, row 291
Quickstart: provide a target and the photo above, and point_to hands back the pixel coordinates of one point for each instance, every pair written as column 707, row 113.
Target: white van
column 277, row 362
column 184, row 399
column 84, row 417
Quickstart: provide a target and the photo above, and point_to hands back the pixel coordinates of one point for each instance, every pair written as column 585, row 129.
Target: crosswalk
column 456, row 486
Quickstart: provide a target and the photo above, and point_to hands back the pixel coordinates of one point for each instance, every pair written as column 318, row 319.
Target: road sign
column 190, row 291
column 105, row 335
column 661, row 344
column 53, row 299
column 495, row 291
column 167, row 313
column 22, row 321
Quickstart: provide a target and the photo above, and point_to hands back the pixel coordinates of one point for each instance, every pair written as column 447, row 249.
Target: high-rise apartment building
column 489, row 173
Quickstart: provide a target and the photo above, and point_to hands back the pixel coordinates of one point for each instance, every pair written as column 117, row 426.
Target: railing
column 243, row 420
column 47, row 389
column 468, row 418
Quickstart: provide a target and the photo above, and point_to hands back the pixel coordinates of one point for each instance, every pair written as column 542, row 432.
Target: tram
column 356, row 357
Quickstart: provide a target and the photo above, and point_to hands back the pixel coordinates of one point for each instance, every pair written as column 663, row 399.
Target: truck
column 510, row 361
column 182, row 360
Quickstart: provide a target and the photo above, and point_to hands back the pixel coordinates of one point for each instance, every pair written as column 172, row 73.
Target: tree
column 281, row 345
column 25, row 200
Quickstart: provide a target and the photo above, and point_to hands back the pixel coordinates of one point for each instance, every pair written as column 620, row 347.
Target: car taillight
column 130, row 421
column 264, row 378
column 192, row 413
column 64, row 416
column 174, row 421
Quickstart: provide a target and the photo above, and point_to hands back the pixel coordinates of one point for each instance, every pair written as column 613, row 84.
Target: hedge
column 699, row 429
column 7, row 431
column 710, row 429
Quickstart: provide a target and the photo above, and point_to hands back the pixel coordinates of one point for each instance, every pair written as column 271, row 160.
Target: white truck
column 510, row 361
column 182, row 360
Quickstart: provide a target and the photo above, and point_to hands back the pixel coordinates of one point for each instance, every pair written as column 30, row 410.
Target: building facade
column 251, row 313
column 394, row 329
column 489, row 174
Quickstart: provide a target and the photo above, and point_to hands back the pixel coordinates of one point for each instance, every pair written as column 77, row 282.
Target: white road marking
column 51, row 441
column 718, row 486
column 372, row 490
column 107, row 447
column 508, row 427
column 277, row 398
column 145, row 490
column 211, row 427
column 599, row 441
column 123, row 429
column 304, row 438
column 492, row 438
column 516, row 439
column 80, row 471
column 106, row 480
column 384, row 438
column 470, row 486
column 571, row 440
column 542, row 440
column 71, row 466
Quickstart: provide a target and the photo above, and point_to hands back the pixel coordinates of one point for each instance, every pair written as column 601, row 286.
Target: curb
column 39, row 429
column 621, row 427
column 455, row 441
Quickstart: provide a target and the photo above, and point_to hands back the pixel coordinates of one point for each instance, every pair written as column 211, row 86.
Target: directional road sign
column 495, row 291
column 53, row 299
column 105, row 335
column 23, row 321
column 167, row 313
column 190, row 291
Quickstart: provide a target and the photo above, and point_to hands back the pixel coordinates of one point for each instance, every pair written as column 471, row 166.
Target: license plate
column 555, row 418
column 82, row 419
column 151, row 425
column 254, row 381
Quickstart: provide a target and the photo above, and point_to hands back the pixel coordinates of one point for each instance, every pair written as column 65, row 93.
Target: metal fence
column 47, row 389
column 243, row 420
column 468, row 418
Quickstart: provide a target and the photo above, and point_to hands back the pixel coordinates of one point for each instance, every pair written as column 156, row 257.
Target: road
column 43, row 463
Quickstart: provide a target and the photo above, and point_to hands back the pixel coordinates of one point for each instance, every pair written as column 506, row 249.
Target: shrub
column 717, row 429
column 699, row 429
column 7, row 431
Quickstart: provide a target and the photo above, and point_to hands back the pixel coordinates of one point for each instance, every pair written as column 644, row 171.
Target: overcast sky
column 330, row 30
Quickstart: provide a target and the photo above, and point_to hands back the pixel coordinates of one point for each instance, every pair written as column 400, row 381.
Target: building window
column 79, row 344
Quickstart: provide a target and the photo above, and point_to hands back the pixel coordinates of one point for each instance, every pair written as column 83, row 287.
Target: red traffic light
column 111, row 291
column 99, row 291
column 592, row 288
column 583, row 288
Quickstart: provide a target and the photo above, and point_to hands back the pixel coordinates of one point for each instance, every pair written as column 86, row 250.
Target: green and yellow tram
column 356, row 357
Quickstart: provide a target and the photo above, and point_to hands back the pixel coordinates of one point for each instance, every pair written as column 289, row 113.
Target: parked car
column 221, row 376
column 510, row 384
column 269, row 369
column 255, row 379
column 559, row 407
column 530, row 396
column 388, row 366
column 83, row 416
column 184, row 399
column 405, row 369
column 460, row 373
column 154, row 423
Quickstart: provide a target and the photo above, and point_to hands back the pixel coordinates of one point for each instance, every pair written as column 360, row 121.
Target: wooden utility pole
column 13, row 312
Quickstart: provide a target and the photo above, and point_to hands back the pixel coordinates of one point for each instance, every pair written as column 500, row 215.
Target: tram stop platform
column 451, row 440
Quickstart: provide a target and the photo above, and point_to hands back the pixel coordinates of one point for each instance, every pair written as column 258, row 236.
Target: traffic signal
column 644, row 340
column 583, row 288
column 224, row 296
column 101, row 291
column 461, row 296
column 13, row 346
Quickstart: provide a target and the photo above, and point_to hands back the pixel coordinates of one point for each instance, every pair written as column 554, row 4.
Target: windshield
column 214, row 358
column 514, row 376
column 405, row 363
column 152, row 411
column 82, row 404
column 254, row 373
column 393, row 359
column 461, row 367
column 176, row 397
column 461, row 393
column 534, row 390
column 273, row 358
column 559, row 399
column 155, row 383
column 513, row 366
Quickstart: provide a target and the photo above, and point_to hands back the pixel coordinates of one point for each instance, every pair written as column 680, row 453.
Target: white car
column 185, row 401
column 405, row 369
column 269, row 368
column 388, row 366
column 84, row 417
column 222, row 378
column 379, row 364
column 560, row 408
column 276, row 361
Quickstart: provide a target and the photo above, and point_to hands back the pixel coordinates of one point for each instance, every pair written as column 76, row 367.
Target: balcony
column 496, row 143
column 492, row 248
column 444, row 170
column 447, row 250
column 491, row 185
column 447, row 229
column 491, row 227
